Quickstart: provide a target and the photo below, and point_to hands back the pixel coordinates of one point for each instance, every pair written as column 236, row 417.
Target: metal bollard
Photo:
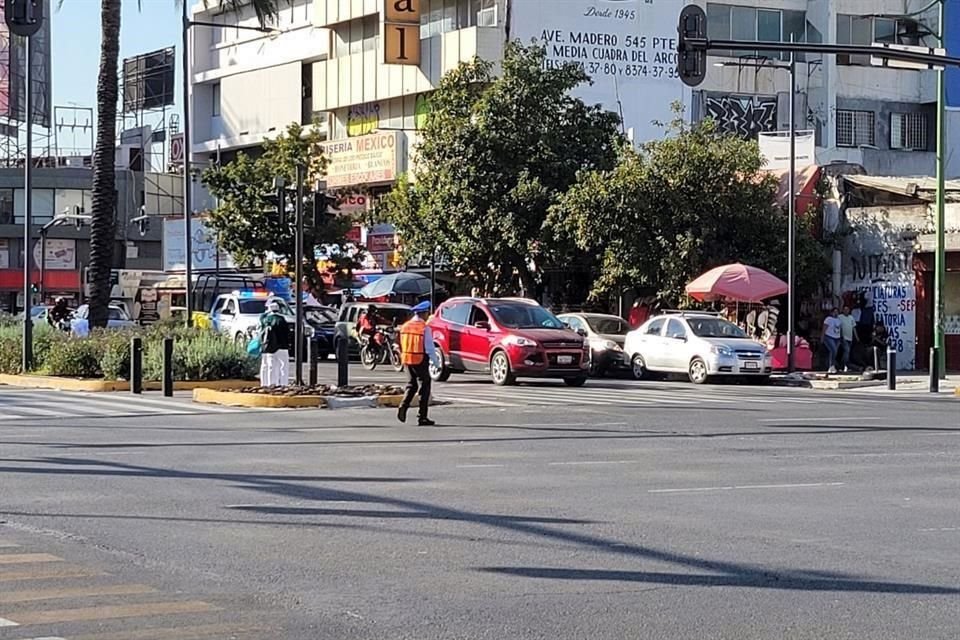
column 876, row 359
column 168, row 367
column 891, row 369
column 934, row 370
column 312, row 361
column 343, row 359
column 136, row 366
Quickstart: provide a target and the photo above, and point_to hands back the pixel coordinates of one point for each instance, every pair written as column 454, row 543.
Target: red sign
column 380, row 243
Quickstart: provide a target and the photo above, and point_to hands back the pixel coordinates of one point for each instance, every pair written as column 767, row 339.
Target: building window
column 856, row 128
column 6, row 206
column 43, row 203
column 215, row 100
column 441, row 16
column 866, row 30
column 726, row 22
column 908, row 131
column 487, row 13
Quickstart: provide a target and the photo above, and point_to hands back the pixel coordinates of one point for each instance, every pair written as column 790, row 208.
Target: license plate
column 564, row 359
column 751, row 365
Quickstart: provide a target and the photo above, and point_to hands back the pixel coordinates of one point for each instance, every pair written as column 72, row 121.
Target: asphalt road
column 621, row 510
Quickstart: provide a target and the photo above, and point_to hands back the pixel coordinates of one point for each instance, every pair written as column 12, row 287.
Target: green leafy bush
column 11, row 341
column 74, row 358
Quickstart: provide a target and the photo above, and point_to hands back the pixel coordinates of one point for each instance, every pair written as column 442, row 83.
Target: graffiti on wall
column 743, row 115
column 363, row 119
column 880, row 266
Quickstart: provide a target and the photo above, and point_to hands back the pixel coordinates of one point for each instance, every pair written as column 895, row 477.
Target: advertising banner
column 203, row 249
column 775, row 149
column 368, row 159
column 61, row 254
column 627, row 47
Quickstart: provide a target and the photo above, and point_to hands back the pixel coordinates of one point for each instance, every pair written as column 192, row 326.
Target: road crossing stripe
column 48, row 572
column 180, row 633
column 26, row 558
column 37, row 595
column 7, row 545
column 112, row 612
column 8, row 623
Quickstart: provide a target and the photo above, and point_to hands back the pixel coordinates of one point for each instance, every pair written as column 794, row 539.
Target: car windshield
column 259, row 305
column 116, row 313
column 525, row 316
column 608, row 326
column 714, row 328
column 36, row 311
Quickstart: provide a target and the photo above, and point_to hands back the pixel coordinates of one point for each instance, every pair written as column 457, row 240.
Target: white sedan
column 117, row 319
column 699, row 344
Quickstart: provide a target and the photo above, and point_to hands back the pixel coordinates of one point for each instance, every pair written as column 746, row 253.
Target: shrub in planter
column 115, row 358
column 199, row 355
column 74, row 358
column 11, row 340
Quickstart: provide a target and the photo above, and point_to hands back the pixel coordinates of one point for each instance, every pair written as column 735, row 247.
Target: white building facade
column 326, row 64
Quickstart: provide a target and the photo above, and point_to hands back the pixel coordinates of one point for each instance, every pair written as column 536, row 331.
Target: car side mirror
column 680, row 338
column 482, row 324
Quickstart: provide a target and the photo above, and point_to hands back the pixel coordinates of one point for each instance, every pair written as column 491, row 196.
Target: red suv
column 507, row 337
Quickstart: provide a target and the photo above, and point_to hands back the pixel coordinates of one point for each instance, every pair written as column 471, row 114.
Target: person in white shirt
column 832, row 333
column 848, row 334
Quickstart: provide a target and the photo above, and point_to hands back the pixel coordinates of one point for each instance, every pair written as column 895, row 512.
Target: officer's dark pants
column 418, row 378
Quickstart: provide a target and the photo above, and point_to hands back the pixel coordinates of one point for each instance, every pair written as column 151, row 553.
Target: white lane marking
column 940, row 529
column 8, row 545
column 804, row 485
column 586, row 462
column 107, row 453
column 480, row 466
column 826, row 419
column 8, row 623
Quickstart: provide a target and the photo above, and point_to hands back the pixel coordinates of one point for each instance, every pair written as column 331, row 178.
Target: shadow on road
column 713, row 572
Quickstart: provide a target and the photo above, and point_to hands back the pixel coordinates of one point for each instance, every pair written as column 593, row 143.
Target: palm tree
column 104, row 196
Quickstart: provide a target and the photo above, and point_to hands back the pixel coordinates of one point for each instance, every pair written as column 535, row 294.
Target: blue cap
column 420, row 308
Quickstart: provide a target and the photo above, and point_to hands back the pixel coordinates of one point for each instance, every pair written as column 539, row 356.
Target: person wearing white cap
column 275, row 342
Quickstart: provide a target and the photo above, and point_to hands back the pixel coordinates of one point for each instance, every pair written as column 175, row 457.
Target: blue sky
column 76, row 42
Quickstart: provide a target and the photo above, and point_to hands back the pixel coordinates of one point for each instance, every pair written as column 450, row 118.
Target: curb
column 841, row 385
column 108, row 386
column 257, row 401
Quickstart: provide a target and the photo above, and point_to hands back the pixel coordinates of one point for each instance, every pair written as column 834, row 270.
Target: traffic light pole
column 792, row 223
column 298, row 286
column 938, row 359
column 27, row 364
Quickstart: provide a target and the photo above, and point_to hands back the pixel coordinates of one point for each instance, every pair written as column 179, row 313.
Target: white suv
column 701, row 345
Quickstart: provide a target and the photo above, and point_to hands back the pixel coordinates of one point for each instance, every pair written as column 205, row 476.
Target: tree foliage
column 681, row 205
column 496, row 152
column 246, row 223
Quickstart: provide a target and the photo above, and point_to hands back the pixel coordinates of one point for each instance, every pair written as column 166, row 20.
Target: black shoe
column 425, row 422
column 402, row 414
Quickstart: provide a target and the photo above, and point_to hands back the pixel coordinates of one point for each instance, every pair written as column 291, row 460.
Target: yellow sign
column 401, row 32
column 369, row 159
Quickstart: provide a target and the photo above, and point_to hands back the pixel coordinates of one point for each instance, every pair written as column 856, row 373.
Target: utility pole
column 187, row 155
column 298, row 285
column 792, row 220
column 938, row 356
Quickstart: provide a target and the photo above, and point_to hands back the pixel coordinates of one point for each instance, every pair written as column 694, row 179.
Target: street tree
column 496, row 151
column 246, row 223
column 104, row 197
column 693, row 200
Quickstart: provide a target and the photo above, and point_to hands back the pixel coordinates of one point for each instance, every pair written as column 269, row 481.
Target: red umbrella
column 739, row 282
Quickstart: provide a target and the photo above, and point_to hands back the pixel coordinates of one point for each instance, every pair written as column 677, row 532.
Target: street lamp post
column 938, row 356
column 791, row 200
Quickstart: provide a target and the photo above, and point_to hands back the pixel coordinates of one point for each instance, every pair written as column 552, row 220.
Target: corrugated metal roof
column 921, row 188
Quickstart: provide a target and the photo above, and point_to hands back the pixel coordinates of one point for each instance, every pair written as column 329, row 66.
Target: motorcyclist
column 368, row 322
column 59, row 314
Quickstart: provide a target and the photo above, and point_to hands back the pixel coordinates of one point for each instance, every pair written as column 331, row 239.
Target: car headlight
column 607, row 345
column 721, row 350
column 520, row 341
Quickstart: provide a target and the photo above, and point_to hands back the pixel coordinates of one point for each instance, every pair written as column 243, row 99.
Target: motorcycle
column 380, row 348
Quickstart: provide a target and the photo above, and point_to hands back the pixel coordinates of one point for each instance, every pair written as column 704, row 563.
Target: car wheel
column 368, row 357
column 576, row 382
column 639, row 368
column 500, row 369
column 698, row 371
column 442, row 372
column 240, row 339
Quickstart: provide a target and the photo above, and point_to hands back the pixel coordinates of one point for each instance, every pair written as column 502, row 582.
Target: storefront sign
column 401, row 32
column 203, row 248
column 4, row 254
column 627, row 47
column 366, row 159
column 353, row 203
column 775, row 149
column 896, row 306
column 61, row 254
column 380, row 243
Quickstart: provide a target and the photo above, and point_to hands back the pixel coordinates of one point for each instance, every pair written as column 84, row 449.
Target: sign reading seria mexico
column 366, row 159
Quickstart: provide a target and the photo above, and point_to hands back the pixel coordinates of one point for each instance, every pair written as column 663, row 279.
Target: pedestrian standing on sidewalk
column 416, row 353
column 848, row 334
column 832, row 332
column 275, row 344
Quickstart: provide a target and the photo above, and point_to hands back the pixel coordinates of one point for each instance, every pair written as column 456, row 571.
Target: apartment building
column 326, row 63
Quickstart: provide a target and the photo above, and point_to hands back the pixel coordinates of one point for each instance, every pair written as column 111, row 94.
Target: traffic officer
column 416, row 353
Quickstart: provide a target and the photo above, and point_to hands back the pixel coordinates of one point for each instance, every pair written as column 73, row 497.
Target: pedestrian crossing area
column 27, row 404
column 629, row 394
column 45, row 597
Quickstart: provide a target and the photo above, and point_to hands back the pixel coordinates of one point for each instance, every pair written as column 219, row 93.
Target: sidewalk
column 906, row 381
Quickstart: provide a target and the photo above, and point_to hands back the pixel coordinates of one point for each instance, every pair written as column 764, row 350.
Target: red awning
column 54, row 280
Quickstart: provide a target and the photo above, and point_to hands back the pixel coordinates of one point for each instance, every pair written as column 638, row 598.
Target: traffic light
column 692, row 62
column 324, row 204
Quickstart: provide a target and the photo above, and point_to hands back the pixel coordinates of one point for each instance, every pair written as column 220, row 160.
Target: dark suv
column 507, row 337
